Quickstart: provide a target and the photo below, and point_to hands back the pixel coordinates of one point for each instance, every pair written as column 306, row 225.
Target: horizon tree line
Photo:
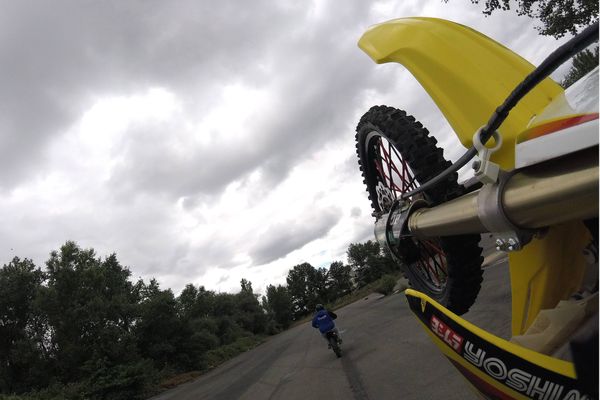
column 80, row 327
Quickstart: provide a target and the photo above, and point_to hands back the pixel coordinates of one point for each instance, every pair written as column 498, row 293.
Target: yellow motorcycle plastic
column 496, row 368
column 469, row 75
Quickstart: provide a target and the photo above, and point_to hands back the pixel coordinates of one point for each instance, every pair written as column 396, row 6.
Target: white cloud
column 203, row 144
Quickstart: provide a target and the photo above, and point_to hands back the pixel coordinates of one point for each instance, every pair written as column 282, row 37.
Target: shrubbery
column 81, row 329
column 386, row 285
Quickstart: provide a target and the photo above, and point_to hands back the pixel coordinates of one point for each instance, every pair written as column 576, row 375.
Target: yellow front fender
column 467, row 74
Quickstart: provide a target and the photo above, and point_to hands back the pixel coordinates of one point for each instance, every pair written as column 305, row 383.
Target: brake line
column 579, row 42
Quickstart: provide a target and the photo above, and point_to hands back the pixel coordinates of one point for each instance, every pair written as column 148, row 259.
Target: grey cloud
column 312, row 96
column 141, row 236
column 151, row 166
column 223, row 279
column 57, row 58
column 364, row 234
column 363, row 231
column 283, row 238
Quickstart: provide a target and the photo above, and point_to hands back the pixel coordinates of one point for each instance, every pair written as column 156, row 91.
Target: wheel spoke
column 389, row 162
column 437, row 257
column 438, row 254
column 405, row 176
column 435, row 263
column 428, row 261
column 412, row 183
column 387, row 179
column 424, row 268
column 402, row 175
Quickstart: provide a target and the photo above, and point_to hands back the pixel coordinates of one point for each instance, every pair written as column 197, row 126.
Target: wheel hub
column 385, row 197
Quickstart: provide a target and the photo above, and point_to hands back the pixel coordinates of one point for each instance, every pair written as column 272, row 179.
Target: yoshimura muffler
column 535, row 197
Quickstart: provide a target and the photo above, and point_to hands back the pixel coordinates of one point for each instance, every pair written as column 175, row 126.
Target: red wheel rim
column 399, row 180
column 395, row 174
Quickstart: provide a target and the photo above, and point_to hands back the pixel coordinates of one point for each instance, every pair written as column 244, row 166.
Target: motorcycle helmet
column 319, row 307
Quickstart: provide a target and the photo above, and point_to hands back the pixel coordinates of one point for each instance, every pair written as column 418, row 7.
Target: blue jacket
column 323, row 320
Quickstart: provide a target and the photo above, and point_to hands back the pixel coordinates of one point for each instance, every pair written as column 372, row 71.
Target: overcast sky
column 202, row 142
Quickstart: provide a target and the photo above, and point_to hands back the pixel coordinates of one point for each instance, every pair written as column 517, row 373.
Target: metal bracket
column 485, row 170
column 396, row 226
column 490, row 207
column 490, row 210
column 392, row 228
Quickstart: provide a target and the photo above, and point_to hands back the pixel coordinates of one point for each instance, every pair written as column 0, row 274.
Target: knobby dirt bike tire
column 335, row 347
column 426, row 160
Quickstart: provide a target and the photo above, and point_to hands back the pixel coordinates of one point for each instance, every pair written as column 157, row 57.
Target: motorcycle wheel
column 335, row 346
column 395, row 155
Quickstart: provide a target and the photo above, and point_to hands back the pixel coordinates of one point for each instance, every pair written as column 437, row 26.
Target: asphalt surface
column 386, row 355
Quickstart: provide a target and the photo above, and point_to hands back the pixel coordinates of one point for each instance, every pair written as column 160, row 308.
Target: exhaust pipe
column 535, row 197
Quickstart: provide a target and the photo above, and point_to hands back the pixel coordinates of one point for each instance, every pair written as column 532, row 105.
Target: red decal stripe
column 489, row 391
column 550, row 127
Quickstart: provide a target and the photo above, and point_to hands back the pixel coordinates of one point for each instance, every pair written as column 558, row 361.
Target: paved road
column 387, row 355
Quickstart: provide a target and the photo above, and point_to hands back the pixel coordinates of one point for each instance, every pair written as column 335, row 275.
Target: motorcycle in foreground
column 536, row 165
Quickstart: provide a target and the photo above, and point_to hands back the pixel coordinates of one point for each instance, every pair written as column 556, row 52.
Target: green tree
column 187, row 299
column 91, row 306
column 340, row 279
column 387, row 264
column 306, row 286
column 224, row 304
column 91, row 309
column 365, row 260
column 321, row 284
column 278, row 304
column 23, row 359
column 204, row 302
column 164, row 336
column 558, row 17
column 196, row 302
column 249, row 314
column 583, row 63
column 246, row 286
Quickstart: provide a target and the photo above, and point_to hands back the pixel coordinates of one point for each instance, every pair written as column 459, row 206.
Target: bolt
column 498, row 248
column 476, row 164
column 512, row 241
column 510, row 248
column 499, row 242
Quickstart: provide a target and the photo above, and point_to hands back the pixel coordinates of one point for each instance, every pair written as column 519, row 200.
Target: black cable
column 579, row 42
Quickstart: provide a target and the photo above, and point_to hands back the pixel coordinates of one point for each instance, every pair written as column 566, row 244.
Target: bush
column 56, row 391
column 134, row 380
column 386, row 285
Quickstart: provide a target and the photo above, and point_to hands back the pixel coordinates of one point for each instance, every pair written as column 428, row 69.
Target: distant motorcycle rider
column 323, row 320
